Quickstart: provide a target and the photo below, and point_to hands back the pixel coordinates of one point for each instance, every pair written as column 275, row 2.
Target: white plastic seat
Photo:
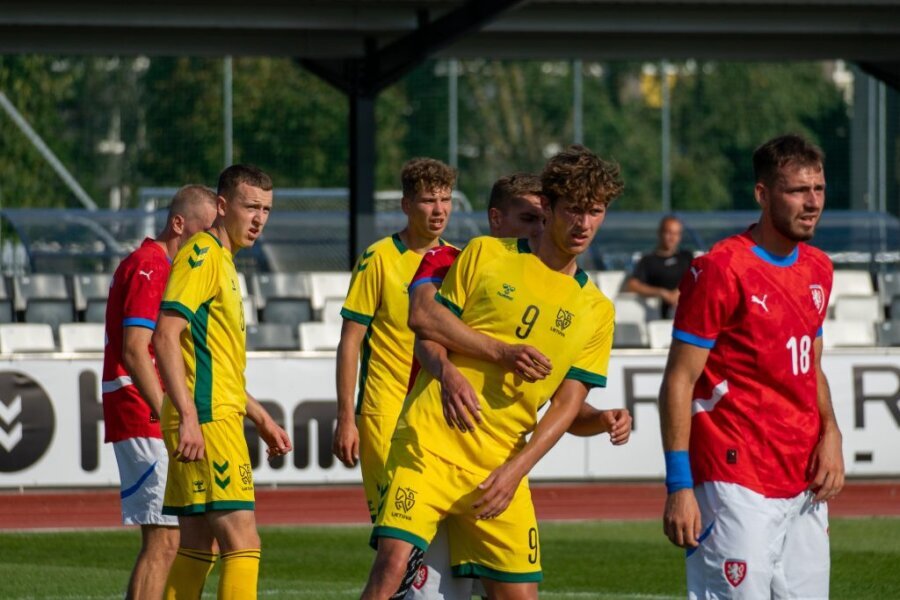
column 659, row 332
column 858, row 308
column 328, row 284
column 319, row 336
column 331, row 310
column 850, row 283
column 82, row 337
column 26, row 337
column 609, row 282
column 630, row 335
column 848, row 334
column 280, row 285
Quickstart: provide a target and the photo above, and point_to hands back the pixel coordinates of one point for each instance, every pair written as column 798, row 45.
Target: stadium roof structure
column 362, row 46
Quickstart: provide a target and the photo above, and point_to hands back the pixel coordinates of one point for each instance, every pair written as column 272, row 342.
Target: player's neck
column 218, row 230
column 768, row 238
column 554, row 257
column 420, row 244
column 169, row 245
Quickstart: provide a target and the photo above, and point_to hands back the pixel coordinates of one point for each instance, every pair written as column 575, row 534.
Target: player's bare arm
column 433, row 321
column 500, row 486
column 346, row 435
column 681, row 518
column 167, row 347
column 460, row 403
column 593, row 421
column 139, row 364
column 276, row 438
column 827, row 464
column 636, row 286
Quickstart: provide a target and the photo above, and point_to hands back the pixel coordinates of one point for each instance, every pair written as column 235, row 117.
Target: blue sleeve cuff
column 139, row 322
column 819, row 332
column 678, row 471
column 435, row 280
column 694, row 340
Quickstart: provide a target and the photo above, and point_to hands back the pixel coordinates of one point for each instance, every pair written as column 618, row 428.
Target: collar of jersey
column 774, row 259
column 580, row 276
column 214, row 237
column 401, row 247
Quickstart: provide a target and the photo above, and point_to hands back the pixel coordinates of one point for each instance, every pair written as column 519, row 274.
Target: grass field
column 613, row 560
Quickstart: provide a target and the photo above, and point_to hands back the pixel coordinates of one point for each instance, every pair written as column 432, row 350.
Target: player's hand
column 670, row 296
column 681, row 519
column 827, row 467
column 276, row 438
column 525, row 361
column 617, row 422
column 497, row 491
column 458, row 399
column 191, row 445
column 346, row 443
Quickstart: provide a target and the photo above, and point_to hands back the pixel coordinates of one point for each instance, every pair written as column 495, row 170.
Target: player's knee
column 391, row 564
column 413, row 563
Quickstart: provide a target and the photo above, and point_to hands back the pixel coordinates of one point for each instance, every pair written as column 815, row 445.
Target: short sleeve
column 434, row 266
column 144, row 290
column 364, row 295
column 194, row 278
column 708, row 298
column 460, row 279
column 592, row 363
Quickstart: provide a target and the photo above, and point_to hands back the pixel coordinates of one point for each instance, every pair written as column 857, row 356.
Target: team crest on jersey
column 405, row 499
column 818, row 296
column 421, row 578
column 507, row 291
column 563, row 320
column 735, row 571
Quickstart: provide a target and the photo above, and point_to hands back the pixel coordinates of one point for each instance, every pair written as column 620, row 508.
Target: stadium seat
column 629, row 335
column 847, row 334
column 894, row 307
column 858, row 308
column 331, row 310
column 659, row 331
column 889, row 288
column 7, row 310
column 279, row 285
column 635, row 309
column 45, row 298
column 250, row 312
column 82, row 337
column 332, row 284
column 270, row 336
column 287, row 311
column 90, row 286
column 889, row 333
column 609, row 282
column 26, row 337
column 850, row 283
column 319, row 336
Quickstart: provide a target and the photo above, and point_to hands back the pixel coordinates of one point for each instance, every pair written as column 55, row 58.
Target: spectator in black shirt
column 658, row 273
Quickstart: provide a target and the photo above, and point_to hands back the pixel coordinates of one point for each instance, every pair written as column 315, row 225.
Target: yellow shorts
column 375, row 433
column 425, row 489
column 222, row 480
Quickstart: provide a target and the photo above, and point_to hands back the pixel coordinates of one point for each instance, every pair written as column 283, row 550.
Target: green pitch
column 590, row 560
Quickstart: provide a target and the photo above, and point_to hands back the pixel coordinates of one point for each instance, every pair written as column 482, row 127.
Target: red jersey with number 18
column 432, row 269
column 755, row 417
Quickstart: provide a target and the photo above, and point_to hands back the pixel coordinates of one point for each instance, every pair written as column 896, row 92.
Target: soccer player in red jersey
column 752, row 447
column 132, row 394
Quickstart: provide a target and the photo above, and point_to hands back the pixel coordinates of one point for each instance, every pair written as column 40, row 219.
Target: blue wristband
column 678, row 471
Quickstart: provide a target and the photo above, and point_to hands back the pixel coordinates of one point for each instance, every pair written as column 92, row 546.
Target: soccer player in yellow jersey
column 200, row 351
column 375, row 314
column 516, row 292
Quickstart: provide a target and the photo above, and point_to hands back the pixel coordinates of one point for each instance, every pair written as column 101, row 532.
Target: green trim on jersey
column 214, row 238
column 199, row 509
column 456, row 310
column 397, row 534
column 592, row 379
column 476, row 570
column 203, row 378
column 581, row 277
column 357, row 317
column 178, row 307
column 364, row 369
column 523, row 246
column 398, row 243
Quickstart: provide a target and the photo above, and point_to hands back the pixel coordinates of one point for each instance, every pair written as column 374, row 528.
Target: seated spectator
column 658, row 273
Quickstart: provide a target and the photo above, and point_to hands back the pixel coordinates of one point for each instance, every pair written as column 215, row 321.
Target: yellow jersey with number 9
column 203, row 288
column 498, row 287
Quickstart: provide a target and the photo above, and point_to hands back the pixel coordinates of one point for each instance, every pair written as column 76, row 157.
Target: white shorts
column 143, row 464
column 435, row 580
column 756, row 547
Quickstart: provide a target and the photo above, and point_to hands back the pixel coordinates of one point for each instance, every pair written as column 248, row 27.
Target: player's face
column 795, row 201
column 246, row 214
column 428, row 212
column 522, row 218
column 572, row 227
column 670, row 235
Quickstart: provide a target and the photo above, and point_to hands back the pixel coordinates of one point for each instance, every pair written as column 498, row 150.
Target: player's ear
column 221, row 203
column 495, row 218
column 405, row 204
column 761, row 193
column 178, row 224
